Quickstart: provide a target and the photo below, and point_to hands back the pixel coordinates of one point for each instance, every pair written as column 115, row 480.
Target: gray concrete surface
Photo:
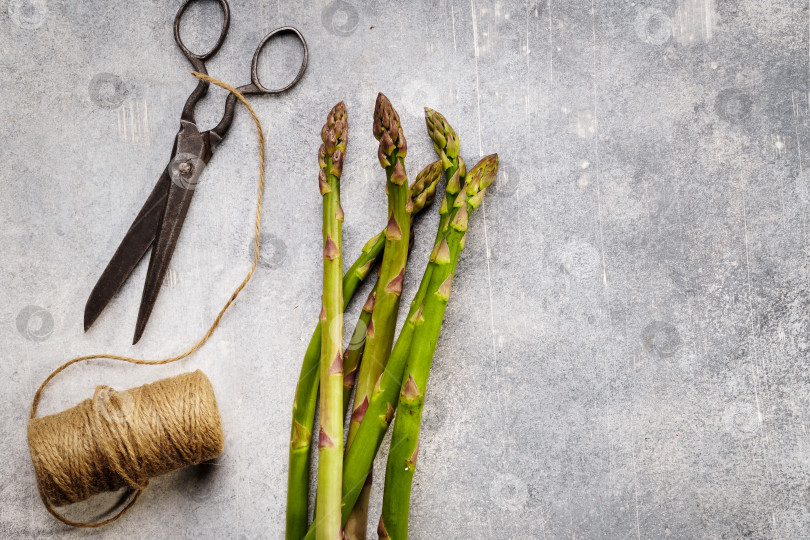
column 625, row 354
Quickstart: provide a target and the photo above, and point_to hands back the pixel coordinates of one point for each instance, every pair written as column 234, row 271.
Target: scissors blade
column 184, row 171
column 136, row 242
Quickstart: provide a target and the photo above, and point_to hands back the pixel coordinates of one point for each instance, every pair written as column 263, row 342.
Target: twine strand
column 257, row 232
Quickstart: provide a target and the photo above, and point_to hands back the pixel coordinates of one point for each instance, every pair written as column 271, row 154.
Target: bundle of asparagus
column 387, row 378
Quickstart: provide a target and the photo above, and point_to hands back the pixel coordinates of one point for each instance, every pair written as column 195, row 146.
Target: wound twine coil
column 107, row 445
column 122, row 439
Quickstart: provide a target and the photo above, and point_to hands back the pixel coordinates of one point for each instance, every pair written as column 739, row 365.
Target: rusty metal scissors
column 162, row 215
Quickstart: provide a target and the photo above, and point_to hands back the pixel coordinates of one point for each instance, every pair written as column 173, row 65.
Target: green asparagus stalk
column 330, row 438
column 405, row 440
column 423, row 192
column 380, row 334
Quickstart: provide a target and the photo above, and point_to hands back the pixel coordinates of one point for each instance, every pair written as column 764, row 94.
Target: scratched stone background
column 626, row 350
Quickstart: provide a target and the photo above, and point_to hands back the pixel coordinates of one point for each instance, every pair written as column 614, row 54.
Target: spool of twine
column 119, row 439
column 122, row 439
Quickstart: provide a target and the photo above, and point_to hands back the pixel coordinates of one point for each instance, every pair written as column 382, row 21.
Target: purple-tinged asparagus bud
column 349, row 379
column 409, row 390
column 330, row 249
column 323, row 185
column 389, row 413
column 395, row 285
column 360, row 412
column 330, row 142
column 383, row 158
column 382, row 534
column 392, row 230
column 377, row 127
column 444, row 289
column 322, row 156
column 368, row 307
column 339, row 213
column 337, row 163
column 324, row 441
column 335, row 129
column 409, row 204
column 337, row 365
column 386, row 144
column 370, row 329
column 403, row 144
column 388, row 130
column 410, row 463
column 398, row 175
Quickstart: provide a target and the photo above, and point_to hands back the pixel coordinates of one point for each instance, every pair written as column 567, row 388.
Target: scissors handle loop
column 257, row 87
column 194, row 58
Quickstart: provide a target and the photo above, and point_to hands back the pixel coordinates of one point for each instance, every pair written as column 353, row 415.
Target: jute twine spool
column 121, row 439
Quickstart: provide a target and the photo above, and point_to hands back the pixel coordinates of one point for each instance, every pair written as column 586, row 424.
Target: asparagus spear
column 380, row 334
column 405, row 440
column 423, row 191
column 445, row 142
column 330, row 438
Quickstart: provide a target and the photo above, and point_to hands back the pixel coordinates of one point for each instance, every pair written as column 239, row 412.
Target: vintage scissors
column 161, row 218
